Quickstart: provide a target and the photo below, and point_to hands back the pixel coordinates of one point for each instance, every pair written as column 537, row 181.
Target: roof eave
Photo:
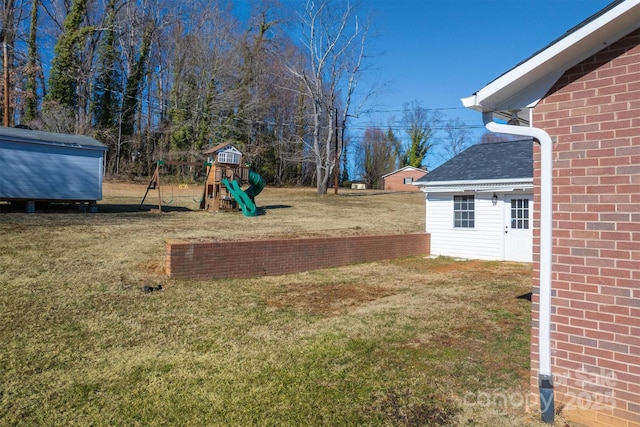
column 524, row 85
column 404, row 169
column 480, row 185
column 73, row 142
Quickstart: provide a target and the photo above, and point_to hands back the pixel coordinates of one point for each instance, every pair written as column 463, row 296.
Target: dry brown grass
column 400, row 342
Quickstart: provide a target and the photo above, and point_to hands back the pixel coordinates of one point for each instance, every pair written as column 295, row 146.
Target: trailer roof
column 50, row 138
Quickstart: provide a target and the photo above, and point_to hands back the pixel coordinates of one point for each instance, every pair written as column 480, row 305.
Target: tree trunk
column 31, row 95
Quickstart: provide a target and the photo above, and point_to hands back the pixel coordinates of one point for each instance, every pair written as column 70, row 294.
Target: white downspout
column 545, row 379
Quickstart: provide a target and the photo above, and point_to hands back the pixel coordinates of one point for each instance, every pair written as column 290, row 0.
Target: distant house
column 479, row 204
column 579, row 97
column 44, row 166
column 402, row 179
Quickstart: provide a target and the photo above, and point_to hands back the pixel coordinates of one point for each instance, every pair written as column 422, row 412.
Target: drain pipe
column 545, row 379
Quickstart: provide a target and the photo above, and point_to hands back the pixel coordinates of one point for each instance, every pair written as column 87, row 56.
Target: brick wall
column 593, row 116
column 395, row 182
column 213, row 260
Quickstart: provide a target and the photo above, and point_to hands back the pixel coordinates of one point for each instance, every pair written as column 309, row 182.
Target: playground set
column 225, row 174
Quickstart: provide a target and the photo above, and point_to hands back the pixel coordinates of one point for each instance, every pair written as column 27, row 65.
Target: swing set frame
column 155, row 183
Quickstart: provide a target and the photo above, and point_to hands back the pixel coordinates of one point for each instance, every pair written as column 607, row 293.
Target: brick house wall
column 214, row 260
column 593, row 116
column 395, row 182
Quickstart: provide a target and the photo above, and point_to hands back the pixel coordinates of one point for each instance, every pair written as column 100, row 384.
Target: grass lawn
column 403, row 342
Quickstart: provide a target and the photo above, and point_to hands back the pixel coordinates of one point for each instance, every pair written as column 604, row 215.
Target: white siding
column 484, row 241
column 50, row 172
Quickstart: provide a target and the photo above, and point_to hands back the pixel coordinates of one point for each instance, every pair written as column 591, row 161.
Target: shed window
column 463, row 212
column 520, row 214
column 408, row 180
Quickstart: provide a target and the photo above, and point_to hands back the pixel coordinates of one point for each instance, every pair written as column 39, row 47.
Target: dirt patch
column 458, row 266
column 402, row 408
column 327, row 299
column 156, row 266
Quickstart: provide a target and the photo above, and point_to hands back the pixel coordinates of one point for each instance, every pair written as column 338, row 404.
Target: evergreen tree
column 107, row 86
column 62, row 78
column 422, row 123
column 204, row 123
column 419, row 147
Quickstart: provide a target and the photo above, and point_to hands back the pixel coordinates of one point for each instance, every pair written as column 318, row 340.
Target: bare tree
column 457, row 139
column 204, row 92
column 376, row 155
column 141, row 25
column 179, row 76
column 11, row 15
column 333, row 40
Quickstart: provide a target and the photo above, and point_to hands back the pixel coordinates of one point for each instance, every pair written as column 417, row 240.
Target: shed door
column 518, row 237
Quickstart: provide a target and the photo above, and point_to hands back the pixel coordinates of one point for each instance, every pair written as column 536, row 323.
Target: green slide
column 245, row 198
column 257, row 184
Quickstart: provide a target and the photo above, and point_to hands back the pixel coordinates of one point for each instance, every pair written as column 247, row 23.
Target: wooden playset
column 225, row 173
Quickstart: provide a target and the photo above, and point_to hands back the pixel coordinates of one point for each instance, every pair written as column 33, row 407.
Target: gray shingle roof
column 496, row 160
column 50, row 138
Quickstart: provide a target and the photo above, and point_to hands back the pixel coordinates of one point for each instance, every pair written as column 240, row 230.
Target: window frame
column 464, row 212
column 228, row 157
column 519, row 216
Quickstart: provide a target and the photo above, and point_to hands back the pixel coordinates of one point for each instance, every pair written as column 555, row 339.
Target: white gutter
column 545, row 379
column 463, row 183
column 478, row 190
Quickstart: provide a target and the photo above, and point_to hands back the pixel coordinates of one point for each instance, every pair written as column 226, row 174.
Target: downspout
column 545, row 379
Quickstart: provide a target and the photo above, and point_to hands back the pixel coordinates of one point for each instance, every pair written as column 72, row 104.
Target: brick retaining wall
column 215, row 260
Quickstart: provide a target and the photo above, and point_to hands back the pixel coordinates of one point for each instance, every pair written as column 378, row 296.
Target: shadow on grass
column 109, row 208
column 269, row 207
column 379, row 193
column 73, row 208
column 121, row 208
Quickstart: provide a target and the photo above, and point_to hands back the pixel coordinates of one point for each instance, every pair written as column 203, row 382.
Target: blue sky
column 438, row 51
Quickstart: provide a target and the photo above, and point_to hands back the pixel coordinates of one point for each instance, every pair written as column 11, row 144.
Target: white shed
column 45, row 166
column 479, row 204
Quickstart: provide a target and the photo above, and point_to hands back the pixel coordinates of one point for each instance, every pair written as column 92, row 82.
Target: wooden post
column 153, row 184
column 336, row 168
column 157, row 178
